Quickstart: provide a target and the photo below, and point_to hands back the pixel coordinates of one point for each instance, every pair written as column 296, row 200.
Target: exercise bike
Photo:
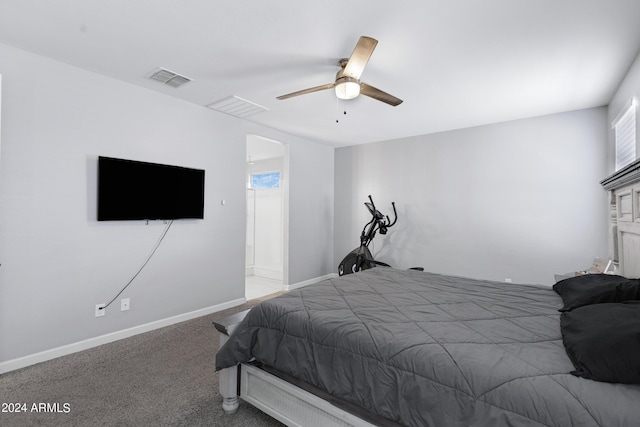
column 360, row 258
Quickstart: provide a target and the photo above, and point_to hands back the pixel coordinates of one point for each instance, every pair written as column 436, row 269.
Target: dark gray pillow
column 596, row 289
column 603, row 341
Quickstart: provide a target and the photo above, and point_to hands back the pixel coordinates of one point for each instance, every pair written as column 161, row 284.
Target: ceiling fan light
column 348, row 88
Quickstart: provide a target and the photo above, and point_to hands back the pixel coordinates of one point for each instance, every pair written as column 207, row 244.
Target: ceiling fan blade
column 360, row 57
column 305, row 91
column 374, row 93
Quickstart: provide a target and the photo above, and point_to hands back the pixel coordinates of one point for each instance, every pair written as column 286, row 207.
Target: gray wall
column 57, row 261
column 518, row 200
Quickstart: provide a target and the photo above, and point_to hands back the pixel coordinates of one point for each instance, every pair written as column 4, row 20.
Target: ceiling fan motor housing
column 346, row 87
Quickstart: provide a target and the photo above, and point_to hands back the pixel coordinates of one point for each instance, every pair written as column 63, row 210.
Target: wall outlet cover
column 100, row 310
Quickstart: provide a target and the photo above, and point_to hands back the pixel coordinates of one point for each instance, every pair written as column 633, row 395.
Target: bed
column 389, row 347
column 421, row 349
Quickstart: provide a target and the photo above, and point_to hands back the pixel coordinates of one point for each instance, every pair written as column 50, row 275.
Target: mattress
column 423, row 349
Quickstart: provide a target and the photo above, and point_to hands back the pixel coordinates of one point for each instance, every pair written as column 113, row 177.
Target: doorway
column 266, row 217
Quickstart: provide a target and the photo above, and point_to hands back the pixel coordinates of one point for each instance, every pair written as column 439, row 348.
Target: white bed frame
column 296, row 407
column 283, row 401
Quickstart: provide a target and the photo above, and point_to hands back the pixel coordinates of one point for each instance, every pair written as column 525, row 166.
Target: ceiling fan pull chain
column 344, row 111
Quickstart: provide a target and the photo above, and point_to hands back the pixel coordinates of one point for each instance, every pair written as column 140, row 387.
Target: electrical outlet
column 100, row 310
column 124, row 304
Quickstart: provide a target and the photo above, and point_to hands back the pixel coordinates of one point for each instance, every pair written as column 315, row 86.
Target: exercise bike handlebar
column 378, row 216
column 379, row 222
column 395, row 216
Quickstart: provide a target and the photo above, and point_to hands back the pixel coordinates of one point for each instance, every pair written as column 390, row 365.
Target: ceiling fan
column 347, row 84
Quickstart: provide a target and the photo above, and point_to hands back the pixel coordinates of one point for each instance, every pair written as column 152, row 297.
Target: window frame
column 625, row 134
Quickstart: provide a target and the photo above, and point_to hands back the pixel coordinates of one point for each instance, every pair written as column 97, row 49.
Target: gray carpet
column 164, row 377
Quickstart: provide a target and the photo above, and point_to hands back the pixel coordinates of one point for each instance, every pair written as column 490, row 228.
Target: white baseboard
column 309, row 282
column 267, row 273
column 32, row 359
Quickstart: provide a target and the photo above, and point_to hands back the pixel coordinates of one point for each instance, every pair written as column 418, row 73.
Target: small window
column 265, row 180
column 624, row 127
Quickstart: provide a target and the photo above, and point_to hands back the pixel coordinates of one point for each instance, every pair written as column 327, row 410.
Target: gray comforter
column 429, row 350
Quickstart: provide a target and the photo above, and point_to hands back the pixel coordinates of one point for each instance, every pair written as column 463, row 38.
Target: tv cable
column 153, row 251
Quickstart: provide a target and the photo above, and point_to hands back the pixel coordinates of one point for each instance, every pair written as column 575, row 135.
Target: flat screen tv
column 133, row 190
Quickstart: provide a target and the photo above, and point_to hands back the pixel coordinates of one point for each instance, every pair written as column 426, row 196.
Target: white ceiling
column 455, row 63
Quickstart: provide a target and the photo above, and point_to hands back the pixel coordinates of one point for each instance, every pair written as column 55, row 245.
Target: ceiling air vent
column 168, row 78
column 236, row 106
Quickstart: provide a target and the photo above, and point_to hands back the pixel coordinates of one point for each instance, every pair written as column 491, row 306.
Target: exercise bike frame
column 360, row 258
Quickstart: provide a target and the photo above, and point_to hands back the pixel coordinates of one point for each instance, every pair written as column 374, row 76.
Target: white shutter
column 624, row 127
